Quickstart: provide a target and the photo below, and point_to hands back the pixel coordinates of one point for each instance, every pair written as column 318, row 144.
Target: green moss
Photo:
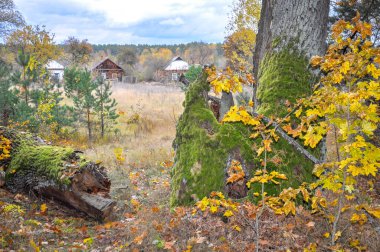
column 45, row 161
column 282, row 76
column 203, row 145
column 202, row 148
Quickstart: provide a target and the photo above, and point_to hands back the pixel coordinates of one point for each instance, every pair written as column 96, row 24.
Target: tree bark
column 227, row 101
column 56, row 172
column 2, row 178
column 300, row 23
column 89, row 125
column 305, row 21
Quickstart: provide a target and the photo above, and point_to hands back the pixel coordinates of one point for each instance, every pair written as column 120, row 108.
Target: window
column 174, row 76
column 104, row 76
column 55, row 77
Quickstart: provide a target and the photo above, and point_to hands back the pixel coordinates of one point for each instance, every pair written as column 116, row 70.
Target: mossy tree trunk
column 297, row 27
column 205, row 149
column 290, row 32
column 56, row 172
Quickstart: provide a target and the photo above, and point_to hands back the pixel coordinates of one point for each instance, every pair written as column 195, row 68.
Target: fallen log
column 56, row 172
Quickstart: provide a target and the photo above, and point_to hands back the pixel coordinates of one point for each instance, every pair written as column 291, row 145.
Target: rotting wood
column 56, row 172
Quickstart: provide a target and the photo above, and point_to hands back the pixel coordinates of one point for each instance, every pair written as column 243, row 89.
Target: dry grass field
column 145, row 132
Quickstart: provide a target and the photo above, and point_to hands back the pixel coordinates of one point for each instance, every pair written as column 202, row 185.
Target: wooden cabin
column 109, row 70
column 175, row 69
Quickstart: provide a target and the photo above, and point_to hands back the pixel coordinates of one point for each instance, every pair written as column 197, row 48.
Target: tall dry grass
column 145, row 129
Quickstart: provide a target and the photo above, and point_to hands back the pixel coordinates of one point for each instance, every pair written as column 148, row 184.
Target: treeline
column 115, row 49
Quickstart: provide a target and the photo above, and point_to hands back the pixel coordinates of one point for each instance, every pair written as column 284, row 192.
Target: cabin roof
column 54, row 65
column 177, row 63
column 96, row 66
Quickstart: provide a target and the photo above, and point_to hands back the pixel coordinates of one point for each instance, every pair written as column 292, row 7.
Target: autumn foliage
column 345, row 105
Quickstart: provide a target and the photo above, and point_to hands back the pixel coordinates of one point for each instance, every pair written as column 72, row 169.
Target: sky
column 130, row 21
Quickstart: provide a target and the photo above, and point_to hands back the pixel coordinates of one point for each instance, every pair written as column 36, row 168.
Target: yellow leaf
column 360, row 218
column 355, row 243
column 43, row 208
column 34, row 246
column 371, row 69
column 213, row 209
column 237, row 228
column 374, row 211
column 337, row 78
column 305, row 194
column 345, row 67
column 368, row 128
column 316, row 60
column 327, row 234
column 337, row 235
column 267, row 143
column 260, row 151
column 228, row 213
column 298, row 112
column 88, row 241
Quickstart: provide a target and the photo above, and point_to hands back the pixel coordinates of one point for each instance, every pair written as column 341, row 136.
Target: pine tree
column 8, row 98
column 105, row 105
column 80, row 88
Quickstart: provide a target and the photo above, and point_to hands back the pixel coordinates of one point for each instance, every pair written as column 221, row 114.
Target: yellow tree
column 241, row 29
column 35, row 41
column 239, row 44
column 348, row 99
column 79, row 51
column 238, row 48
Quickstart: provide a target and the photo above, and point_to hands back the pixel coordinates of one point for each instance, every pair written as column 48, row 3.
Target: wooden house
column 109, row 70
column 55, row 70
column 175, row 69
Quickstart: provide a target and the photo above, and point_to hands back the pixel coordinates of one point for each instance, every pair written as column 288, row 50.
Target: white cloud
column 130, row 21
column 133, row 11
column 172, row 21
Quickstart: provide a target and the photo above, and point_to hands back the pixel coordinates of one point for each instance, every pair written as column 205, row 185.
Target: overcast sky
column 130, row 21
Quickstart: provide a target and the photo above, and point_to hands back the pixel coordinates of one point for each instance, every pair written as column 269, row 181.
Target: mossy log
column 56, row 172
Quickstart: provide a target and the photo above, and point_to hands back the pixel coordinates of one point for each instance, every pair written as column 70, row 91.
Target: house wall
column 110, row 69
column 58, row 72
column 168, row 74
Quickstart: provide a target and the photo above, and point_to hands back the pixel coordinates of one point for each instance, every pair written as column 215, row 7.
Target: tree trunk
column 102, row 121
column 89, row 125
column 205, row 149
column 296, row 26
column 290, row 32
column 226, row 103
column 56, row 172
